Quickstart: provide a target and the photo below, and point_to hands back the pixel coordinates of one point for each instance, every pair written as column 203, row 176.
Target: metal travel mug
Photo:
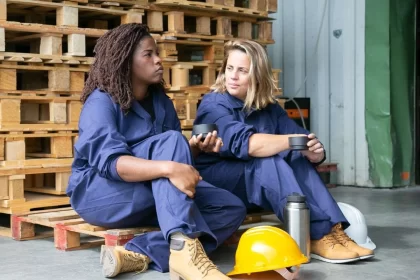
column 296, row 221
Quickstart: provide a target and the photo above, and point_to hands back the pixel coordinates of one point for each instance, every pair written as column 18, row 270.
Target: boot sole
column 102, row 255
column 366, row 257
column 317, row 257
column 109, row 262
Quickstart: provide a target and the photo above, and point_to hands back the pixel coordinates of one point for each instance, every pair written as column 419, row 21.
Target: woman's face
column 237, row 74
column 147, row 65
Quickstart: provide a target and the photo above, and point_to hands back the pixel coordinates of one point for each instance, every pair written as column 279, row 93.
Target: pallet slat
column 32, row 201
column 67, row 229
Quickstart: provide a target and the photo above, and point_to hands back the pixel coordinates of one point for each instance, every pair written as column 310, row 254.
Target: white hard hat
column 358, row 228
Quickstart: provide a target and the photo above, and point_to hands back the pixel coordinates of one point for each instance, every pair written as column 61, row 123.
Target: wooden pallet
column 45, row 60
column 37, row 144
column 35, row 166
column 32, row 201
column 170, row 51
column 68, row 229
column 181, row 75
column 185, row 76
column 186, row 108
column 17, row 182
column 256, row 8
column 12, row 188
column 24, row 111
column 98, row 17
column 208, row 26
column 20, row 167
column 54, row 78
column 66, row 13
column 47, row 39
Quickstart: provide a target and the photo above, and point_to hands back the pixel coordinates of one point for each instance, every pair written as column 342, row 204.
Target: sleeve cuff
column 322, row 160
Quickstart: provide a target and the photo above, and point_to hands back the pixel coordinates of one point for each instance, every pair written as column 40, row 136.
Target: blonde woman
column 255, row 162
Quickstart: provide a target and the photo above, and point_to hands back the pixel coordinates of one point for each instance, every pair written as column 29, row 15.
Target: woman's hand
column 184, row 177
column 211, row 143
column 315, row 152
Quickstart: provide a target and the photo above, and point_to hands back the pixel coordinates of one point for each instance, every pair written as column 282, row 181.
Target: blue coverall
column 102, row 198
column 264, row 182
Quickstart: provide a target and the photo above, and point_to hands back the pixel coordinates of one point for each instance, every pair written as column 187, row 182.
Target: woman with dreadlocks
column 133, row 167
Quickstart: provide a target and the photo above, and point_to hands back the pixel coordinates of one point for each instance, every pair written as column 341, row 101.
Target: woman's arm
column 266, row 145
column 128, row 168
column 182, row 176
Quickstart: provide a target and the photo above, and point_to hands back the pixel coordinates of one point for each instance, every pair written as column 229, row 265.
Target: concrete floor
column 393, row 217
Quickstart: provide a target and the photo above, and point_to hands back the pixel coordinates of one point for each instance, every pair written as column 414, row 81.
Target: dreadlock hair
column 111, row 69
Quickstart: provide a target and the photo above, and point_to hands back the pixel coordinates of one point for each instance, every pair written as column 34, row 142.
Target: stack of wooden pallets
column 46, row 49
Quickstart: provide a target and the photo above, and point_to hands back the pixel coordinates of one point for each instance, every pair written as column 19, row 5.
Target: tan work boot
column 116, row 260
column 346, row 241
column 328, row 249
column 188, row 261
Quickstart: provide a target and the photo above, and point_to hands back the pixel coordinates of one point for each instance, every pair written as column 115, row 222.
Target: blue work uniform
column 101, row 197
column 263, row 182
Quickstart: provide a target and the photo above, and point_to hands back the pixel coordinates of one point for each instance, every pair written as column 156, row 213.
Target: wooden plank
column 43, row 28
column 214, row 8
column 128, row 231
column 87, row 8
column 61, row 209
column 46, row 57
column 82, row 68
column 32, row 201
column 3, row 10
column 2, row 40
column 54, row 216
column 4, row 188
column 89, row 227
column 39, row 111
column 40, row 134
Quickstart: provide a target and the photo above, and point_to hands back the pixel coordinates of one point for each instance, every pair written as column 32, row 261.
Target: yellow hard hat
column 266, row 248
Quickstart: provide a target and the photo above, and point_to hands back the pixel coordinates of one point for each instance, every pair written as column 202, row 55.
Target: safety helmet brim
column 368, row 244
column 237, row 271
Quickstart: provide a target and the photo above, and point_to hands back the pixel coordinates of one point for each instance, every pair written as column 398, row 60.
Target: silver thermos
column 296, row 222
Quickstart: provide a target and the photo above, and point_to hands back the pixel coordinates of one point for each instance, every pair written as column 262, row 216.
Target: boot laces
column 134, row 262
column 330, row 240
column 199, row 258
column 341, row 236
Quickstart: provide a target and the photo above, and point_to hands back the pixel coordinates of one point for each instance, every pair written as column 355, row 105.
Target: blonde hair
column 261, row 81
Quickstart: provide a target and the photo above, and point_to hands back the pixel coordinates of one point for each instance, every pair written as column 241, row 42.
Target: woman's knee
column 174, row 136
column 172, row 141
column 271, row 170
column 236, row 207
column 274, row 161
